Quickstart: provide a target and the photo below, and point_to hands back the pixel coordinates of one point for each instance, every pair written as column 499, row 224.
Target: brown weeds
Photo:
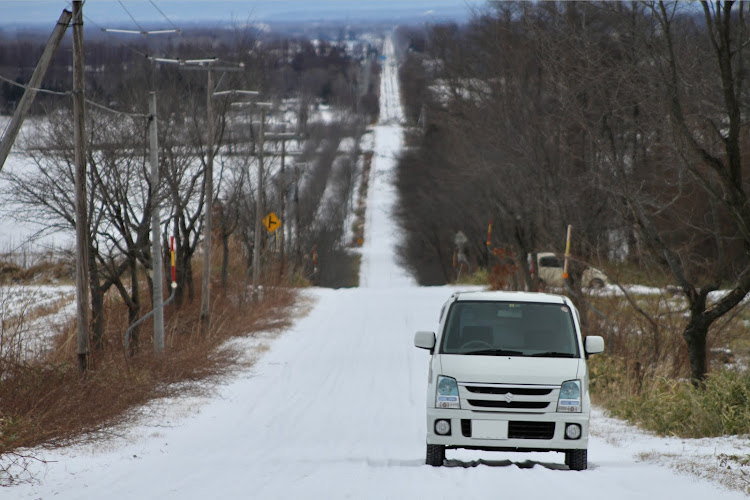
column 644, row 375
column 48, row 403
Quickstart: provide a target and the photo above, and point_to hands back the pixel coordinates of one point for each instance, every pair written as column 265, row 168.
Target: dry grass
column 49, row 403
column 644, row 334
column 43, row 271
column 644, row 376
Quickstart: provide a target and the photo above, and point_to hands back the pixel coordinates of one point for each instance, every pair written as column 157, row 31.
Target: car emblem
column 508, row 397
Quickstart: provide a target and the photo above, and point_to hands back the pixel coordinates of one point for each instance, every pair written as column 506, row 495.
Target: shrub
column 478, row 277
column 642, row 378
column 675, row 407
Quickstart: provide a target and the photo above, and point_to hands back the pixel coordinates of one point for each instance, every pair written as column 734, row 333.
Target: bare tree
column 227, row 209
column 709, row 145
column 493, row 129
column 119, row 196
column 680, row 187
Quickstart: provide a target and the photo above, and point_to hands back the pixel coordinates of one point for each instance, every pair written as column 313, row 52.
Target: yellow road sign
column 271, row 222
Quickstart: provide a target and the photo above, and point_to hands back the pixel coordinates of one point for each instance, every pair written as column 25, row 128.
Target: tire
column 435, row 455
column 596, row 283
column 577, row 459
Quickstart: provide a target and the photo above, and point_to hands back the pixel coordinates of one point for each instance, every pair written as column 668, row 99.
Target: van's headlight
column 570, row 397
column 447, row 393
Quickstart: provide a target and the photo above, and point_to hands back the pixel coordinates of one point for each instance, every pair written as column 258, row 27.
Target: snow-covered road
column 335, row 409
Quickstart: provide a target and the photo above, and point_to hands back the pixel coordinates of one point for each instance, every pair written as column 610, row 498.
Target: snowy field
column 31, row 314
column 335, row 409
column 19, row 235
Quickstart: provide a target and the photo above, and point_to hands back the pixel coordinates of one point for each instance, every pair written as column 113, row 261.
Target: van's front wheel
column 435, row 455
column 577, row 459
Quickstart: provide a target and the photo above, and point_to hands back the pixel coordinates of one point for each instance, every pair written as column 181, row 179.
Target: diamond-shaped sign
column 271, row 222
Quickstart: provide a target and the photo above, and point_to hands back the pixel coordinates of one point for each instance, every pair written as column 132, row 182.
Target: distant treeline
column 323, row 69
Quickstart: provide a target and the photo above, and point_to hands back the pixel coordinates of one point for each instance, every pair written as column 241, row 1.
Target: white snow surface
column 335, row 409
column 34, row 333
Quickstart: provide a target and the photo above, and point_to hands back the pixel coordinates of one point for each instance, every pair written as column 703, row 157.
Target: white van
column 508, row 373
column 551, row 272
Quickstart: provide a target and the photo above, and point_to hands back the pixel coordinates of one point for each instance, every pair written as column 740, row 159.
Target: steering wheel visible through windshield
column 510, row 329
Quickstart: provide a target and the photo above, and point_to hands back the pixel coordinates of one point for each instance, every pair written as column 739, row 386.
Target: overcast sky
column 143, row 12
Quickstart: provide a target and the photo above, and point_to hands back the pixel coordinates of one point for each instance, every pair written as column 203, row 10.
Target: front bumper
column 507, row 431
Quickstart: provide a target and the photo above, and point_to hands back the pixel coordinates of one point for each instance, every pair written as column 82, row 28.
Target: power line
column 26, row 87
column 70, row 93
column 129, row 14
column 199, row 63
column 174, row 29
column 165, row 16
column 101, row 28
column 140, row 30
column 110, row 110
column 179, row 31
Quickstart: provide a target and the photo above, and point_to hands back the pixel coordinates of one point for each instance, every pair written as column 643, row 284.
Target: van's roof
column 503, row 296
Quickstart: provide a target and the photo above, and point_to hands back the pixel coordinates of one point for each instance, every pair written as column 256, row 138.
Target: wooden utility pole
column 201, row 65
column 258, row 205
column 156, row 262
column 282, row 195
column 283, row 137
column 31, row 88
column 297, row 243
column 259, row 198
column 207, row 220
column 83, row 302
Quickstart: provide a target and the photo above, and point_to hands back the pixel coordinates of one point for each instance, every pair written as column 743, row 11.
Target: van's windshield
column 510, row 329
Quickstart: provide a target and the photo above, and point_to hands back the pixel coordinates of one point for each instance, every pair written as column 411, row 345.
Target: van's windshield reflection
column 510, row 329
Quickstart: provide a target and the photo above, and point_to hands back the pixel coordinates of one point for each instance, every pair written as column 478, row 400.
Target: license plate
column 489, row 429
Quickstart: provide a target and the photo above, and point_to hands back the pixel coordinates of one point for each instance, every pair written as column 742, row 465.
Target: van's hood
column 509, row 369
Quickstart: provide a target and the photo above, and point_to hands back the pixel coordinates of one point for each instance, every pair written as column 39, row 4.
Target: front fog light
column 572, row 431
column 442, row 427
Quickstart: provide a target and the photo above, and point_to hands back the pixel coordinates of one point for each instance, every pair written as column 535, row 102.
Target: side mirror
column 594, row 344
column 424, row 340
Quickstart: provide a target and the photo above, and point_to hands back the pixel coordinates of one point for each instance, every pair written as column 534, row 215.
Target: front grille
column 519, row 391
column 531, row 430
column 517, row 405
column 508, row 398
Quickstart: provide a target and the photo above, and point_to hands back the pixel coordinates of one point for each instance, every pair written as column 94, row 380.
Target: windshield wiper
column 553, row 354
column 496, row 352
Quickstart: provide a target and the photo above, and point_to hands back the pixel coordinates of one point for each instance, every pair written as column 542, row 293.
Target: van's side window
column 550, row 262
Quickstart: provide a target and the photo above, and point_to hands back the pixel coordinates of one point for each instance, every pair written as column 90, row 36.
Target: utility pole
column 156, row 262
column 258, row 205
column 297, row 243
column 204, row 64
column 259, row 198
column 157, row 299
column 283, row 137
column 282, row 195
column 207, row 221
column 83, row 302
column 31, row 88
